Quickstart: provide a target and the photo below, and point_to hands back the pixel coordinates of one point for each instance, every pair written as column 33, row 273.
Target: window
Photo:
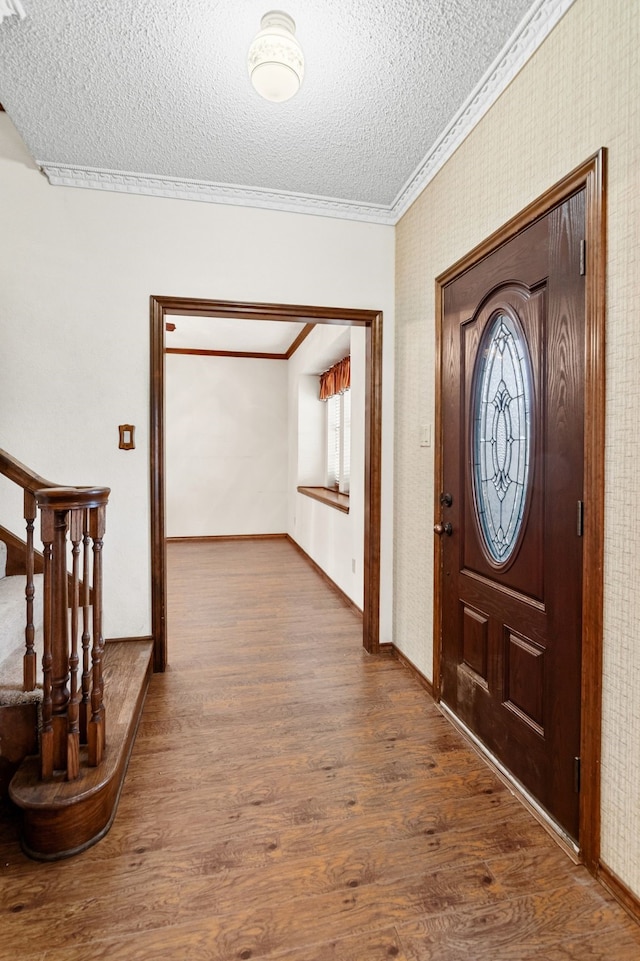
column 326, row 448
column 338, row 441
column 502, row 435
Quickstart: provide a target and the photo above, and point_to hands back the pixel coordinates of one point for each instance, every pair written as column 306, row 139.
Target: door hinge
column 576, row 775
column 583, row 257
column 580, row 519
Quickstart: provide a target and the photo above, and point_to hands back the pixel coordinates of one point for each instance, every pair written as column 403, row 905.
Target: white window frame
column 338, row 442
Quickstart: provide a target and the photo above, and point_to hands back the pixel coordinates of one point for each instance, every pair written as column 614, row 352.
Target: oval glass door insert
column 501, row 439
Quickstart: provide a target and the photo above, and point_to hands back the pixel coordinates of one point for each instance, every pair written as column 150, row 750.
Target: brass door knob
column 441, row 529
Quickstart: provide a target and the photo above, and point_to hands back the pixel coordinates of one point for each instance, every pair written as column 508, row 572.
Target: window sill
column 331, row 498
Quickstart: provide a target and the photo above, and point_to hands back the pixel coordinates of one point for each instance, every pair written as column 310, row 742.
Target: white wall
column 77, row 268
column 309, row 461
column 226, row 445
column 333, row 539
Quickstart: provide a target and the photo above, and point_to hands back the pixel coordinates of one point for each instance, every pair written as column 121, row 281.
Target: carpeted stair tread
column 12, row 627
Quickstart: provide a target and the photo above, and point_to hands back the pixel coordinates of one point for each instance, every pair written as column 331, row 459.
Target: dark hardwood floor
column 290, row 797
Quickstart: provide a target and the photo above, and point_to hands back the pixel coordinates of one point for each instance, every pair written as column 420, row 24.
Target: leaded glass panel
column 502, row 430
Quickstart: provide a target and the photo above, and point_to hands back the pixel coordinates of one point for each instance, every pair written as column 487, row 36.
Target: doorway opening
column 371, row 321
column 481, row 653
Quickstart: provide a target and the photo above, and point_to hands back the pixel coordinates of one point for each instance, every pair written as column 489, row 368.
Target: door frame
column 591, row 176
column 371, row 320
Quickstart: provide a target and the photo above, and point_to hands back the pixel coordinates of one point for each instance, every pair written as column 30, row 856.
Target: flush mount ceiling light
column 276, row 61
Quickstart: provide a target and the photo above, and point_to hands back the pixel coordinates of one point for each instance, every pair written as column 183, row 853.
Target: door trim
column 591, row 176
column 371, row 320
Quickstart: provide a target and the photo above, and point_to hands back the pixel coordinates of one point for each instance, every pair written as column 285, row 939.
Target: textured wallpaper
column 579, row 92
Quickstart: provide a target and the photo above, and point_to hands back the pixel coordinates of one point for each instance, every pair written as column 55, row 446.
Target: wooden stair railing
column 72, row 522
column 72, row 712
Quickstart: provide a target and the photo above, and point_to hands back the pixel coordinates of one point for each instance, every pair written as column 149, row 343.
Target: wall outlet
column 353, row 565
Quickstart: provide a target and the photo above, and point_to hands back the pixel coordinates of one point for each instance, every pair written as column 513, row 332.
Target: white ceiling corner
column 11, row 8
column 140, row 98
column 231, row 334
column 528, row 36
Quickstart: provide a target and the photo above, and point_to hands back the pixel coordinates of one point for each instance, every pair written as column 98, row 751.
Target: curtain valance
column 336, row 380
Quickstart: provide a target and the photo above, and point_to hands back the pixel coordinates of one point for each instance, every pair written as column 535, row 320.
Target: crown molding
column 528, row 36
column 68, row 175
column 530, row 33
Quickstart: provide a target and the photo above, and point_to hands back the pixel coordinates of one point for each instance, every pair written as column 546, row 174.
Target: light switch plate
column 127, row 439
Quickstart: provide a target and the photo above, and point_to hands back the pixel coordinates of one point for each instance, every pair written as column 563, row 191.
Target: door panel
column 513, row 355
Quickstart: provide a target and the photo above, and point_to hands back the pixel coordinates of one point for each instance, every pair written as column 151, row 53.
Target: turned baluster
column 29, row 661
column 60, row 639
column 73, row 714
column 85, row 703
column 97, row 722
column 46, row 736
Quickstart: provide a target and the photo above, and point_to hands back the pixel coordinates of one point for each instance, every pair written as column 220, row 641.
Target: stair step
column 12, row 627
column 61, row 818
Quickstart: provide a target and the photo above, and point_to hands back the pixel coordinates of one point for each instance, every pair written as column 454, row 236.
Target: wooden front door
column 512, row 402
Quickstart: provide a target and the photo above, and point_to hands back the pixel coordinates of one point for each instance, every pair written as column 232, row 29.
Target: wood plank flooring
column 291, row 798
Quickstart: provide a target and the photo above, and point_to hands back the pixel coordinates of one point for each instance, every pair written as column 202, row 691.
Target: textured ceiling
column 153, row 95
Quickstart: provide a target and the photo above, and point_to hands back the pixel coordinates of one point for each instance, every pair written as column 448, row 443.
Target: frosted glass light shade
column 276, row 61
